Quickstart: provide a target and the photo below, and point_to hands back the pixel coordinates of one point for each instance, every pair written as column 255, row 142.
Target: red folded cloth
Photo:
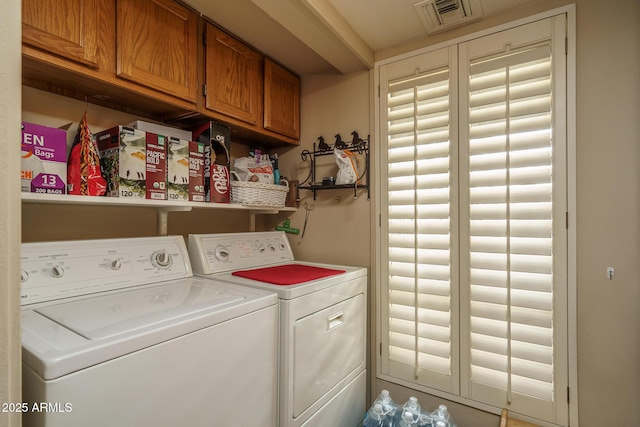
column 288, row 274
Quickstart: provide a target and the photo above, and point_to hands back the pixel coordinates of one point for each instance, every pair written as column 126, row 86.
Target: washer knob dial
column 56, row 271
column 116, row 264
column 24, row 276
column 161, row 259
column 221, row 253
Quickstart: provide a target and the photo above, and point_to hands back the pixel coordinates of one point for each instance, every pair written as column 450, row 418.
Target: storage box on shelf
column 43, row 166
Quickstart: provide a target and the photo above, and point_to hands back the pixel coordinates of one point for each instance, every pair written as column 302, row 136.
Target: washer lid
column 110, row 315
column 60, row 338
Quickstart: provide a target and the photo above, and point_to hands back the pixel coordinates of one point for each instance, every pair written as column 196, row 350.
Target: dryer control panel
column 219, row 253
column 56, row 270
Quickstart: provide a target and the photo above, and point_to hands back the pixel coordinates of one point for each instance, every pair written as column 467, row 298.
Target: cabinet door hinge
column 204, row 38
column 566, row 45
column 567, row 220
column 378, row 91
column 380, row 349
column 568, row 395
column 204, row 90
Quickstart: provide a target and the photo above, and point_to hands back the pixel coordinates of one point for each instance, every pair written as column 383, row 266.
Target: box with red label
column 133, row 162
column 43, row 159
column 217, row 140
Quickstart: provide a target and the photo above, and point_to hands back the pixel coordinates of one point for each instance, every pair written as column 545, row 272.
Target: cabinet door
column 233, row 77
column 281, row 100
column 157, row 46
column 64, row 27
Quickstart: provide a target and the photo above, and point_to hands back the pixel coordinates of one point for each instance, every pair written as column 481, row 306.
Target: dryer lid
column 106, row 316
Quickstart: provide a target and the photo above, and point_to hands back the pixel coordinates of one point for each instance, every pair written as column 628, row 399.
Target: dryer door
column 328, row 346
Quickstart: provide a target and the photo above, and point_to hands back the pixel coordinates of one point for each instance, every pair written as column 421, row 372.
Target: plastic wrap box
column 43, row 166
column 217, row 140
column 133, row 162
column 185, row 170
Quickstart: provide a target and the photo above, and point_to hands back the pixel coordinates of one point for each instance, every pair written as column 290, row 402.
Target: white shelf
column 163, row 206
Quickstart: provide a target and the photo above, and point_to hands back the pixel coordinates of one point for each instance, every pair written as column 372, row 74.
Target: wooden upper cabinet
column 233, row 77
column 281, row 100
column 157, row 42
column 68, row 28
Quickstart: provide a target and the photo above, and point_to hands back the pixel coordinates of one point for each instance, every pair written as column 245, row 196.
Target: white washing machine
column 118, row 332
column 322, row 322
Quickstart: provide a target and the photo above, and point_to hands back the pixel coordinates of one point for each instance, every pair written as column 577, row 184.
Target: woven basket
column 259, row 194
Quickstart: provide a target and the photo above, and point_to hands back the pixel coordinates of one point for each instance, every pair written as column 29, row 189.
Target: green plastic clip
column 286, row 227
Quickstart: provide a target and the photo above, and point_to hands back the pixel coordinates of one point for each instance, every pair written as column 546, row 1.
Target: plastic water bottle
column 441, row 416
column 408, row 419
column 376, row 417
column 411, row 407
column 389, row 407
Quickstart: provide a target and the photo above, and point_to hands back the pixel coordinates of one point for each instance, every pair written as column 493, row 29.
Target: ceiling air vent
column 439, row 15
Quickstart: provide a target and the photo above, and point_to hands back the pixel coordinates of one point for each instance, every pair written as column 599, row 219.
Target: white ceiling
column 326, row 36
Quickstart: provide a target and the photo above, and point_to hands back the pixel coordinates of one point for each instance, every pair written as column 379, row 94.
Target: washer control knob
column 260, row 248
column 116, row 264
column 161, row 259
column 56, row 271
column 282, row 246
column 222, row 254
column 24, row 276
column 272, row 248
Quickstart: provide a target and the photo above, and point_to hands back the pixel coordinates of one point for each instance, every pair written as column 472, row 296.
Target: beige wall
column 608, row 177
column 338, row 227
column 10, row 71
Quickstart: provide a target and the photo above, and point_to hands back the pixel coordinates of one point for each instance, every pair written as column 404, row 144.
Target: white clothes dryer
column 118, row 332
column 323, row 319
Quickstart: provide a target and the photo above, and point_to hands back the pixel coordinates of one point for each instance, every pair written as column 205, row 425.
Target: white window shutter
column 510, row 236
column 473, row 261
column 420, row 345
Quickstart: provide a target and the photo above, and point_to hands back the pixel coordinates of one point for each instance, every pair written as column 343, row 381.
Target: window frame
column 569, row 128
